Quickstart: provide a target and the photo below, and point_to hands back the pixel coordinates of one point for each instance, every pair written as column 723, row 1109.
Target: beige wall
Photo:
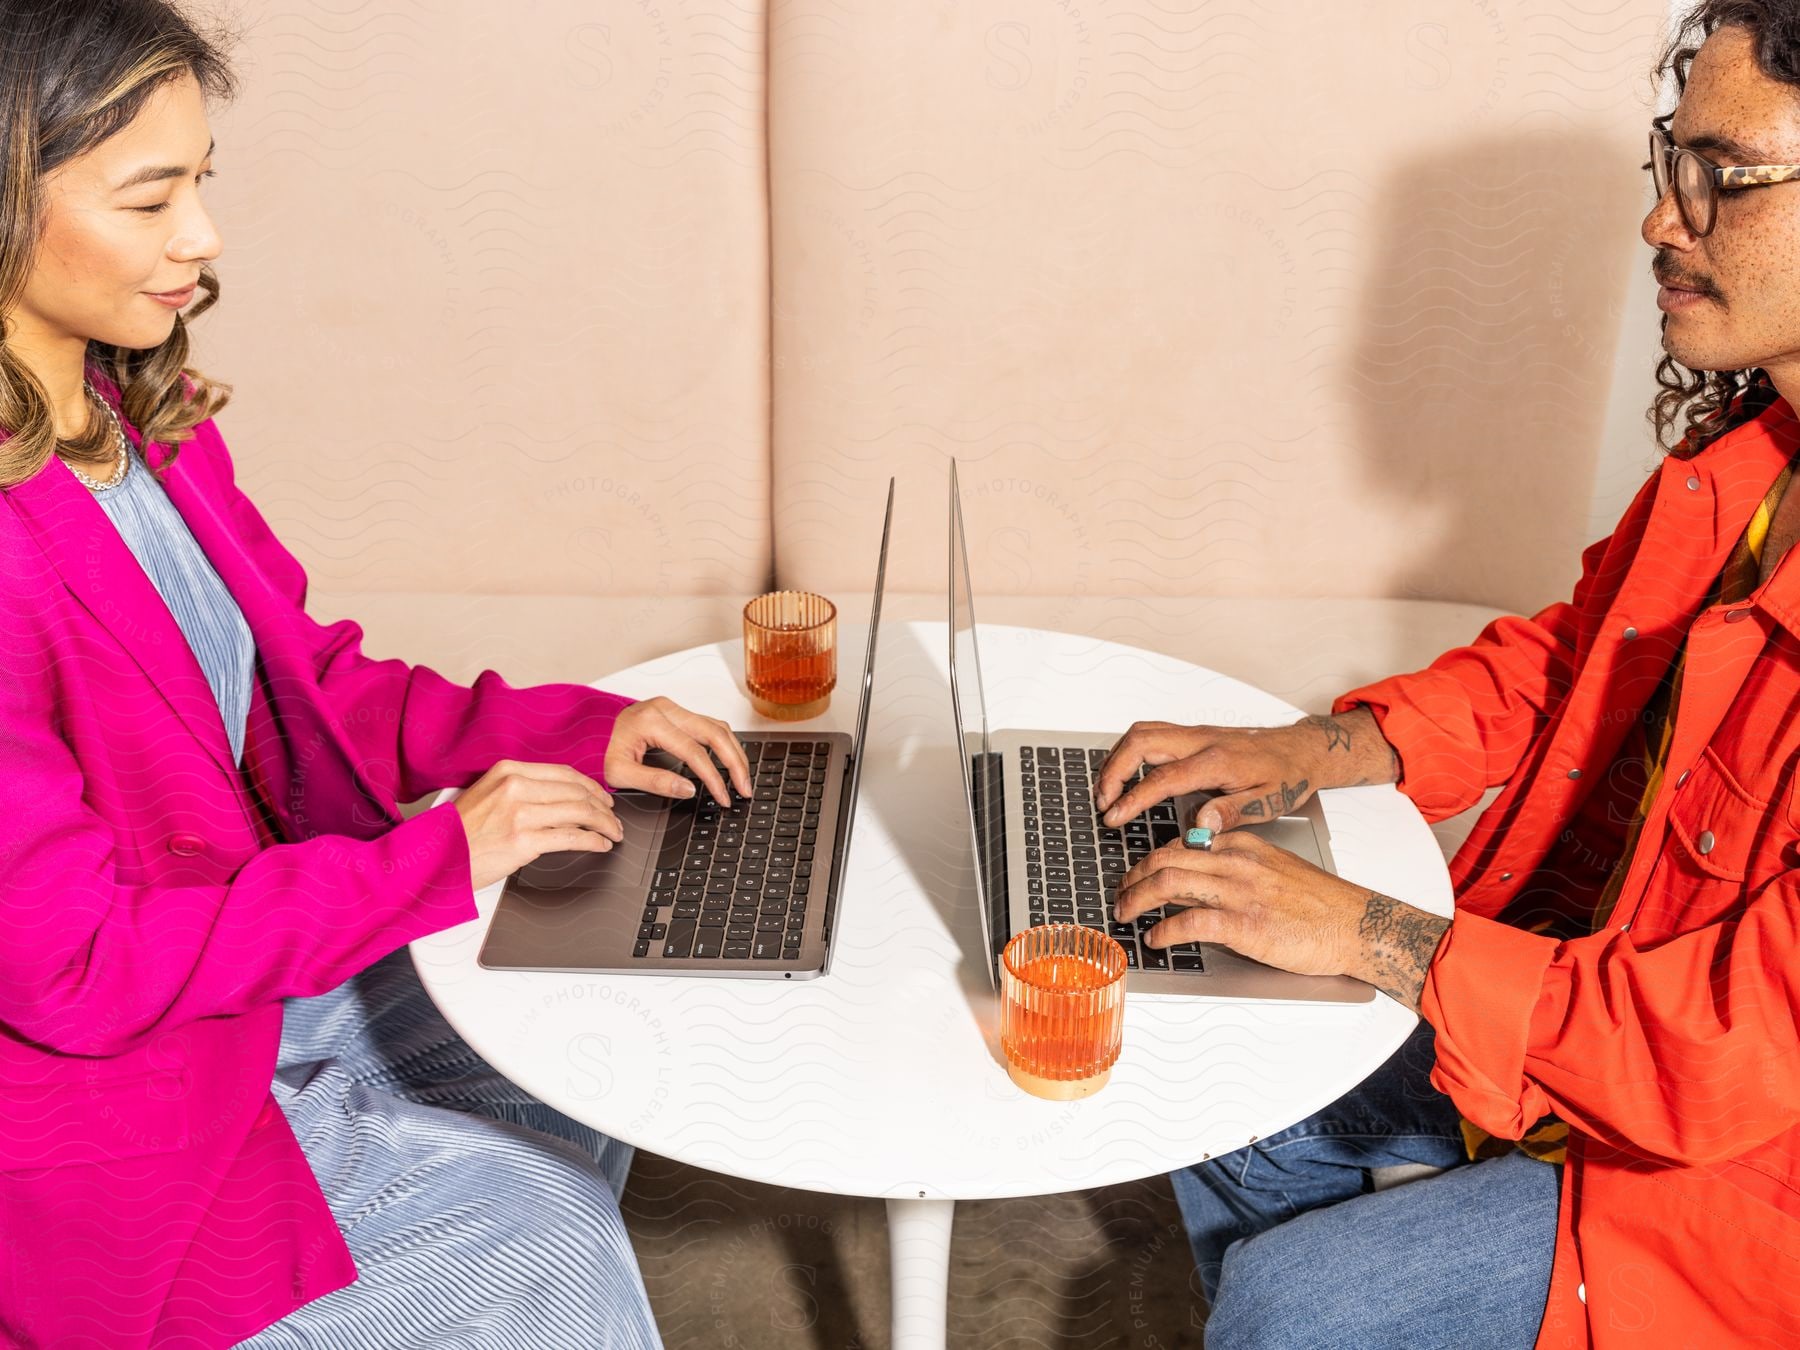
column 495, row 307
column 1258, row 299
column 549, row 352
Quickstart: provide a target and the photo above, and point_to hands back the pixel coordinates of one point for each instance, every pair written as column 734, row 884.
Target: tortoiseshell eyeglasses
column 1698, row 183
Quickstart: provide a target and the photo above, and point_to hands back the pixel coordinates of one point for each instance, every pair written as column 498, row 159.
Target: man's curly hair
column 1696, row 407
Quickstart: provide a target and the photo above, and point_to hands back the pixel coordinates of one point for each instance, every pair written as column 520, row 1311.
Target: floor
column 732, row 1264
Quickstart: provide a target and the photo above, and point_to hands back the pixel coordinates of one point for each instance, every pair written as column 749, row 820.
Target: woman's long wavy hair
column 73, row 73
column 1698, row 406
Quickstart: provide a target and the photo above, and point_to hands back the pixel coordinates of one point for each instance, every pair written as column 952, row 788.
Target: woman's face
column 111, row 243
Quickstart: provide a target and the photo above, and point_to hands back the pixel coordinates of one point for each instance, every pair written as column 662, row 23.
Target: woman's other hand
column 516, row 812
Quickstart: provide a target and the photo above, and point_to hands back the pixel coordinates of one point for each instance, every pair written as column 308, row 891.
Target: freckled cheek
column 1730, row 261
column 1759, row 271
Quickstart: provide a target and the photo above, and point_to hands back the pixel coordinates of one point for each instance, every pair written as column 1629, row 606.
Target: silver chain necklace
column 120, row 473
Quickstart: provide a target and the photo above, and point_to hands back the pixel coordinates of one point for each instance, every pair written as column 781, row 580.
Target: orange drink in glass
column 1062, row 1009
column 790, row 654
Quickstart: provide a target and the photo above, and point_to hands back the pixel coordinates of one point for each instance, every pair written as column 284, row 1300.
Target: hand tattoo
column 1275, row 803
column 1398, row 944
column 1337, row 735
column 1354, row 746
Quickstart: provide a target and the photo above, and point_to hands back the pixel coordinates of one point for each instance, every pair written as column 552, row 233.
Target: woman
column 199, row 791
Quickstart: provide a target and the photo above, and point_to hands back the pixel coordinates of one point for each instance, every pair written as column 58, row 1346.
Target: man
column 1619, row 989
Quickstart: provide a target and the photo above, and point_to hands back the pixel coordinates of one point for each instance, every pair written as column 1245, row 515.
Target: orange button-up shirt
column 1668, row 1040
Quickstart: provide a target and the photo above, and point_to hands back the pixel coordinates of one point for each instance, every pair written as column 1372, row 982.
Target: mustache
column 1665, row 271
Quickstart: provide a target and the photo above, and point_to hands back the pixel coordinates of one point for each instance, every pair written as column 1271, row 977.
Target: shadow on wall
column 1487, row 320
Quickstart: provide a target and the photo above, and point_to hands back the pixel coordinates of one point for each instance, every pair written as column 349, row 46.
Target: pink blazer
column 151, row 1192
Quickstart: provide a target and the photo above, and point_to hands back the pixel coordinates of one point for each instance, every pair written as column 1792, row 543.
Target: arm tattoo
column 1337, row 735
column 1398, row 944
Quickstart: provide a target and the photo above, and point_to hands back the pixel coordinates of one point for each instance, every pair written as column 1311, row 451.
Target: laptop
column 1042, row 855
column 745, row 892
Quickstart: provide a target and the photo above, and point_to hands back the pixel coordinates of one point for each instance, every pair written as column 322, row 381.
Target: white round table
column 884, row 1077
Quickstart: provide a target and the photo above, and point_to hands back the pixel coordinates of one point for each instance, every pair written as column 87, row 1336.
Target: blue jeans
column 1295, row 1251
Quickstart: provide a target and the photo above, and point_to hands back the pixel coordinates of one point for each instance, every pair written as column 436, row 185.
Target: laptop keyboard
column 1073, row 862
column 735, row 883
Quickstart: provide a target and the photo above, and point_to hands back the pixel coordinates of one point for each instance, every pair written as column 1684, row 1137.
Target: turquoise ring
column 1198, row 837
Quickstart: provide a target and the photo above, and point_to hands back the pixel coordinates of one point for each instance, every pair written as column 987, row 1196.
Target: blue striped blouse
column 208, row 616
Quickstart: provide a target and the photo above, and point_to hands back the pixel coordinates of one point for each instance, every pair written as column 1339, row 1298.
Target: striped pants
column 478, row 1216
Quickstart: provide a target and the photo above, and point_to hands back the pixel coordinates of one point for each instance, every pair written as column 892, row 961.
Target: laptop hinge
column 990, row 835
column 840, row 861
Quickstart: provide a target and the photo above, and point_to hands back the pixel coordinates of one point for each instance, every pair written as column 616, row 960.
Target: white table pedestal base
column 919, row 1268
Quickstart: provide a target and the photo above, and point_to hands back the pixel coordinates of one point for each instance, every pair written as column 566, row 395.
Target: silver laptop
column 1042, row 855
column 745, row 892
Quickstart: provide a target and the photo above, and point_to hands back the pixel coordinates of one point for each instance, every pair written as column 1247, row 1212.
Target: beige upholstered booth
column 1296, row 340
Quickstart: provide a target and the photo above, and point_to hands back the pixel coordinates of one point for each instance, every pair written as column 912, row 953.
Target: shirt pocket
column 1716, row 819
column 1723, row 842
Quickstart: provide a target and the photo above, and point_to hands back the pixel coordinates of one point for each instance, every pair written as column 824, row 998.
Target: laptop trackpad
column 623, row 867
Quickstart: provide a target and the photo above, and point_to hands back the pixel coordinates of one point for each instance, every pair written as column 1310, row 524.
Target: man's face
column 1733, row 298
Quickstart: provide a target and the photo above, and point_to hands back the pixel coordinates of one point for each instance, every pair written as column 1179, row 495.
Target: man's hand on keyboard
column 1273, row 906
column 661, row 724
column 1258, row 773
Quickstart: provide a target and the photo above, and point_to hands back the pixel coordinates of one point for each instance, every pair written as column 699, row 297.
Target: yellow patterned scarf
column 1548, row 1140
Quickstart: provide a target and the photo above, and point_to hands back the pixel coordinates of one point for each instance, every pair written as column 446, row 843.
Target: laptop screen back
column 968, row 706
column 862, row 708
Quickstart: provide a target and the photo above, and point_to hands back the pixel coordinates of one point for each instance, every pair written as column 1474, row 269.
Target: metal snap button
column 186, row 845
column 1574, row 773
column 1630, row 633
column 1706, row 841
column 1684, row 777
column 1693, row 484
column 1506, row 876
column 1735, row 615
